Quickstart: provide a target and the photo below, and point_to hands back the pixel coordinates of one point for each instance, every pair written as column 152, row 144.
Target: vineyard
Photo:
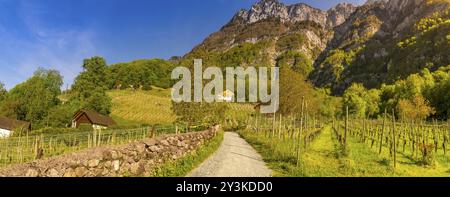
column 302, row 145
column 29, row 148
column 422, row 143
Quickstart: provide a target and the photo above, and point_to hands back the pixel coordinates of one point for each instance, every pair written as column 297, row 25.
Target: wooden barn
column 8, row 126
column 97, row 120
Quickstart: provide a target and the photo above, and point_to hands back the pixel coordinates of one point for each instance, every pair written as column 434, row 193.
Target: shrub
column 427, row 154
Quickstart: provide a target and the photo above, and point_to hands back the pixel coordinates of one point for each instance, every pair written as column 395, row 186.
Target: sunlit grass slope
column 142, row 107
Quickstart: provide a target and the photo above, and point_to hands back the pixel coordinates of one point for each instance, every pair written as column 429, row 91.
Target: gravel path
column 234, row 158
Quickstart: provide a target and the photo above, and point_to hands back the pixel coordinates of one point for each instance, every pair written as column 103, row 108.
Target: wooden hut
column 97, row 120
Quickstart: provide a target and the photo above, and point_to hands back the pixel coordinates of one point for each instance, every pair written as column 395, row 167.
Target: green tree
column 372, row 103
column 361, row 102
column 32, row 99
column 60, row 116
column 354, row 98
column 298, row 62
column 99, row 102
column 293, row 86
column 416, row 108
column 3, row 92
column 141, row 74
column 90, row 86
column 439, row 95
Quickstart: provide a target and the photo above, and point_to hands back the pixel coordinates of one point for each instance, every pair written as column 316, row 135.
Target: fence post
column 279, row 129
column 305, row 123
column 300, row 133
column 346, row 128
column 393, row 138
column 273, row 124
column 382, row 131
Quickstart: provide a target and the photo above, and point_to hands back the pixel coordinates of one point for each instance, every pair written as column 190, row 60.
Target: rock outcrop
column 295, row 13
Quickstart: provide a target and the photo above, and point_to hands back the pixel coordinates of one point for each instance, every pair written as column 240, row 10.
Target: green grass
column 324, row 157
column 408, row 166
column 239, row 111
column 183, row 166
column 131, row 107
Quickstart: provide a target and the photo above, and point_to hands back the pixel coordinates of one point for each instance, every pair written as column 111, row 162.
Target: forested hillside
column 373, row 51
column 41, row 101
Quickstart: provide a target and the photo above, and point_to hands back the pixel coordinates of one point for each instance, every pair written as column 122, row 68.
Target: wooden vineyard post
column 294, row 126
column 152, row 132
column 280, row 126
column 99, row 139
column 346, row 128
column 273, row 124
column 265, row 126
column 393, row 139
column 94, row 138
column 363, row 135
column 413, row 137
column 314, row 121
column 300, row 133
column 89, row 140
column 382, row 132
column 447, row 135
column 256, row 125
column 305, row 121
column 444, row 144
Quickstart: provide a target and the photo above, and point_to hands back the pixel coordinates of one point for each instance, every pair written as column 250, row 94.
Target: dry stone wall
column 135, row 159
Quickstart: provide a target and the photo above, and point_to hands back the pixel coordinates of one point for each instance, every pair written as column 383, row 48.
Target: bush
column 427, row 154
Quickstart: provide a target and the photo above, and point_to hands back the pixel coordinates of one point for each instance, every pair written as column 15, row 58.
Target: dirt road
column 234, row 158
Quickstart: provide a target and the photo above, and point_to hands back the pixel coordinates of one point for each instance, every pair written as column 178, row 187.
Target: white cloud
column 63, row 51
column 60, row 48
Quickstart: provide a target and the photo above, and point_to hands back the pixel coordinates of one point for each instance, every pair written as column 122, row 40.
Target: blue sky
column 59, row 34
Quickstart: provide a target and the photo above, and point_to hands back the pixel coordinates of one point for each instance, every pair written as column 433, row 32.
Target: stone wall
column 135, row 159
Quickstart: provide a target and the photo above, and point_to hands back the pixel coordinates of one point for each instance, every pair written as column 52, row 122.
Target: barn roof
column 95, row 118
column 11, row 124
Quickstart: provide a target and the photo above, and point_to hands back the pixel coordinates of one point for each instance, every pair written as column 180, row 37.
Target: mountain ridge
column 346, row 44
column 294, row 13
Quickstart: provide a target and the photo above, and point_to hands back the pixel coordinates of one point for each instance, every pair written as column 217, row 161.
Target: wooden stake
column 346, row 128
column 280, row 126
column 382, row 131
column 393, row 138
column 300, row 133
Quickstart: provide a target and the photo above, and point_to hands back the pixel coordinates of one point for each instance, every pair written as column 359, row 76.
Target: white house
column 8, row 126
column 227, row 96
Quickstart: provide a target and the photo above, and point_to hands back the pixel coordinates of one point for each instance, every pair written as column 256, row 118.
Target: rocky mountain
column 378, row 42
column 270, row 30
column 366, row 47
column 295, row 13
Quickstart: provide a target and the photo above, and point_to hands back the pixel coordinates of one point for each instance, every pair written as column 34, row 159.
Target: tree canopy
column 32, row 99
column 89, row 88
